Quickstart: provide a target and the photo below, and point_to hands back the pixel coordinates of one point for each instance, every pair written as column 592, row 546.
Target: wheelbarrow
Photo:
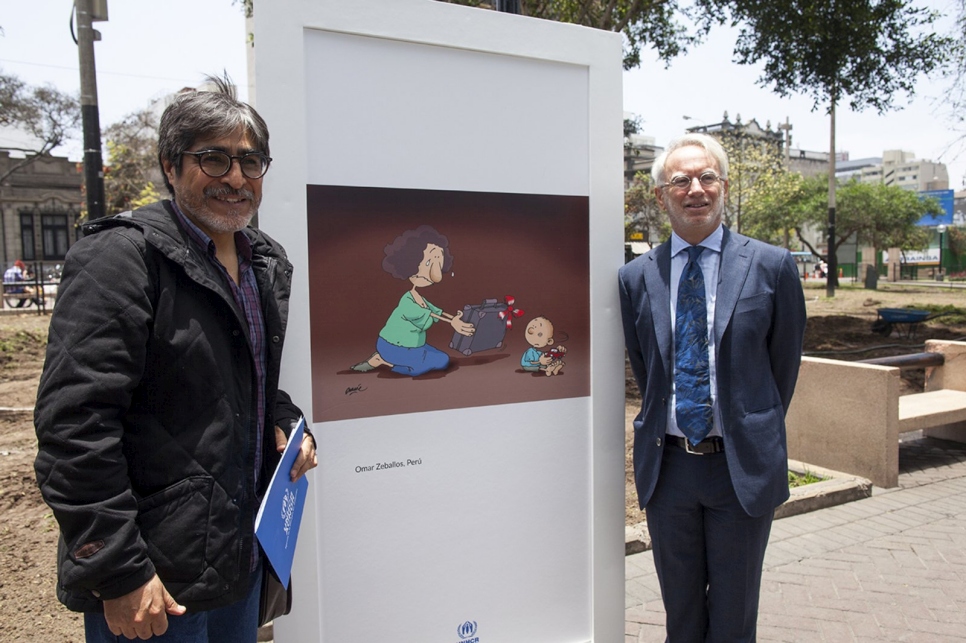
column 905, row 321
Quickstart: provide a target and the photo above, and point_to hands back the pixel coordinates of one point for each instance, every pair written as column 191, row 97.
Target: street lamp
column 703, row 126
column 941, row 229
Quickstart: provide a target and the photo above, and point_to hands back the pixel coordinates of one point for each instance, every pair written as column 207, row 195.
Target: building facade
column 639, row 154
column 40, row 205
column 901, row 169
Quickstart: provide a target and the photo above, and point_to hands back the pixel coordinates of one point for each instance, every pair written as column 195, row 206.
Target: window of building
column 55, row 235
column 27, row 236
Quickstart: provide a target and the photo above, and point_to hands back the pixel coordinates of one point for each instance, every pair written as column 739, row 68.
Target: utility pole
column 89, row 11
column 833, row 263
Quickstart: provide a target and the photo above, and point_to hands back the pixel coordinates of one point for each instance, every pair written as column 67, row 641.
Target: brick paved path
column 887, row 568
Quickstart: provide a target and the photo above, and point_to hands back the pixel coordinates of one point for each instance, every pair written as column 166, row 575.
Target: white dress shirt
column 709, row 260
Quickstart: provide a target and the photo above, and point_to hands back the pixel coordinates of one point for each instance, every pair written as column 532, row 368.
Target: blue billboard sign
column 945, row 198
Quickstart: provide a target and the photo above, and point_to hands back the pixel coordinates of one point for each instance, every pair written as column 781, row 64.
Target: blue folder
column 280, row 514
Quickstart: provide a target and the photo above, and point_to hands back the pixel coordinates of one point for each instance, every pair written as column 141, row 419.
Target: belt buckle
column 688, row 448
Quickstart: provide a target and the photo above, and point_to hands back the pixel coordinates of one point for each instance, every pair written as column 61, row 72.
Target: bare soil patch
column 29, row 610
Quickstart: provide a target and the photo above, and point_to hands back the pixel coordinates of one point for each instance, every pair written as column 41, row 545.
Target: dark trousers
column 235, row 623
column 708, row 552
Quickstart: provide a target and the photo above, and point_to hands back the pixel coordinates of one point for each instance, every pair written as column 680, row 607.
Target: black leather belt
column 704, row 447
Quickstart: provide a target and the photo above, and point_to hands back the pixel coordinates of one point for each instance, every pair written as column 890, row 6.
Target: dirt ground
column 29, row 611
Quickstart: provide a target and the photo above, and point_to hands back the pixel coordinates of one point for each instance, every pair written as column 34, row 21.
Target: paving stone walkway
column 891, row 567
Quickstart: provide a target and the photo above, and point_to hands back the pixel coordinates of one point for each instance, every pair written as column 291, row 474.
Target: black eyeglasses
column 683, row 181
column 216, row 163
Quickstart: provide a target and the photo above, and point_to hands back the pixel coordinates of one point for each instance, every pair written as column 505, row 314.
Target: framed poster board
column 447, row 182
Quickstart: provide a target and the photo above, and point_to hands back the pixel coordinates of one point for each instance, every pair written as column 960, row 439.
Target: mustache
column 219, row 191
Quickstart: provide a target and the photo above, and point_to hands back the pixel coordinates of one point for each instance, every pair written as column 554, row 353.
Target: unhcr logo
column 467, row 632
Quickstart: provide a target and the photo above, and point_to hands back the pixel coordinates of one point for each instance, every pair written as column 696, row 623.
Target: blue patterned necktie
column 692, row 373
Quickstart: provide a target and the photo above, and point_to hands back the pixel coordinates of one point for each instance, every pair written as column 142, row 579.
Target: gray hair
column 206, row 114
column 710, row 145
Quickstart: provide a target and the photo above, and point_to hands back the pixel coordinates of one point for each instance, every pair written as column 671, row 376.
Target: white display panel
column 507, row 516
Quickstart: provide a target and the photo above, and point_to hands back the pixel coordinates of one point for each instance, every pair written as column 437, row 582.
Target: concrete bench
column 40, row 294
column 926, row 411
column 848, row 416
column 14, row 292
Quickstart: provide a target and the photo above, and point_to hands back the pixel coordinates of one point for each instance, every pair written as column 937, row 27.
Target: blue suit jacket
column 759, row 324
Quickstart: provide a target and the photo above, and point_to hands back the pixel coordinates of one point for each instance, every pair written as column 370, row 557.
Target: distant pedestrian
column 13, row 278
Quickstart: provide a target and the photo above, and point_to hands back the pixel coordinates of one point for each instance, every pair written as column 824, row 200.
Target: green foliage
column 19, row 342
column 882, row 216
column 661, row 24
column 956, row 240
column 773, row 211
column 750, row 159
column 950, row 315
column 866, row 51
column 632, row 126
column 642, row 213
column 132, row 171
column 799, row 479
column 247, row 6
column 886, row 215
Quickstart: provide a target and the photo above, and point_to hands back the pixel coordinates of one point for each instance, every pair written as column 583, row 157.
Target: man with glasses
column 159, row 418
column 714, row 323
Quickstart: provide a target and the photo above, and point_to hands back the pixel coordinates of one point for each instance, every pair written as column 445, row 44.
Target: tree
column 132, row 173
column 956, row 241
column 879, row 215
column 864, row 52
column 642, row 213
column 889, row 215
column 955, row 71
column 631, row 126
column 750, row 157
column 661, row 24
column 772, row 209
column 248, row 6
column 48, row 115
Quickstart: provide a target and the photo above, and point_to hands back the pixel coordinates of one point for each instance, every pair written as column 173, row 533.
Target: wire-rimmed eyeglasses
column 683, row 181
column 216, row 163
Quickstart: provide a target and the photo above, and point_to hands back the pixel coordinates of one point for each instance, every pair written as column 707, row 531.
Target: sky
column 151, row 49
column 147, row 49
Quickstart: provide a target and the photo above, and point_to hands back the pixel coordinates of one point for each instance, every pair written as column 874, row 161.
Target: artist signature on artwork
column 351, row 390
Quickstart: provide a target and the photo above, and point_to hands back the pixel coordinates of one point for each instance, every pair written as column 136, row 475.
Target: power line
column 100, row 72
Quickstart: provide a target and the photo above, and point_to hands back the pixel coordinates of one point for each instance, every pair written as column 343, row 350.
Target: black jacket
column 145, row 413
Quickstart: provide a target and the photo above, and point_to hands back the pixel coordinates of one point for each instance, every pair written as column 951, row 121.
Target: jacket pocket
column 758, row 302
column 174, row 525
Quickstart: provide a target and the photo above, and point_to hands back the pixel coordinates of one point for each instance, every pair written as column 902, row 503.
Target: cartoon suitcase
column 490, row 328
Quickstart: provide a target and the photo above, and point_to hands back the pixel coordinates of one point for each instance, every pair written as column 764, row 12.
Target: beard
column 235, row 217
column 679, row 215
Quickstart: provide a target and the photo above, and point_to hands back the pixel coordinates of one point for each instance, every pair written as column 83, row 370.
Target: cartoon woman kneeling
column 422, row 256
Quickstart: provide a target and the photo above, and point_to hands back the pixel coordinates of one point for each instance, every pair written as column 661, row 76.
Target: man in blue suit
column 716, row 370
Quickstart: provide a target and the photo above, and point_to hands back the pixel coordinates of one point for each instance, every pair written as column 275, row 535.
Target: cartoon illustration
column 539, row 335
column 421, row 256
column 492, row 320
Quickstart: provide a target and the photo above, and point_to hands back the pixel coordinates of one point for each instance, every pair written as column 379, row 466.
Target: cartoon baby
column 539, row 335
